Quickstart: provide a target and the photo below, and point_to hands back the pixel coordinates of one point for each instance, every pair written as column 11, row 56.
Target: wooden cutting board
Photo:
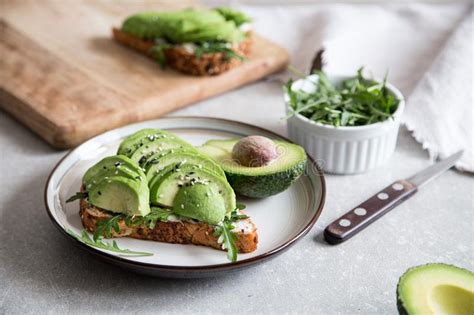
column 63, row 76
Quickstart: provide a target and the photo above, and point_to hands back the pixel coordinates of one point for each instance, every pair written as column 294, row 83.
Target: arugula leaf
column 216, row 47
column 158, row 51
column 236, row 216
column 99, row 243
column 240, row 206
column 156, row 214
column 105, row 227
column 356, row 101
column 227, row 239
column 78, row 195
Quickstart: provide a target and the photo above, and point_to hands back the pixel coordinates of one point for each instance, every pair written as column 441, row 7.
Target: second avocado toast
column 159, row 187
column 194, row 41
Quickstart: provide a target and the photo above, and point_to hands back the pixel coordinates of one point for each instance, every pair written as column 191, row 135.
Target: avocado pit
column 254, row 151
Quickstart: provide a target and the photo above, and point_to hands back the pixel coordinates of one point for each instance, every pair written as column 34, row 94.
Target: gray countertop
column 41, row 271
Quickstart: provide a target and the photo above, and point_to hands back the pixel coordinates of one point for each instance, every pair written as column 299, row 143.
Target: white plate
column 281, row 219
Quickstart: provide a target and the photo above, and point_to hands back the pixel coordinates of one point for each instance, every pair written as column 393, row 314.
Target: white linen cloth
column 417, row 44
column 440, row 109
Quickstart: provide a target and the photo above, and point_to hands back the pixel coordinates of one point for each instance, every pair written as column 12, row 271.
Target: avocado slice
column 122, row 195
column 143, row 153
column 117, row 165
column 200, row 202
column 262, row 181
column 164, row 190
column 436, row 289
column 158, row 163
column 136, row 140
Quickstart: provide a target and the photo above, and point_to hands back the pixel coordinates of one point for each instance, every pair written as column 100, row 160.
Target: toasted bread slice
column 185, row 61
column 180, row 232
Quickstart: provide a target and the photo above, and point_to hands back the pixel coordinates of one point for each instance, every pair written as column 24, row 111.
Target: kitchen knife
column 376, row 206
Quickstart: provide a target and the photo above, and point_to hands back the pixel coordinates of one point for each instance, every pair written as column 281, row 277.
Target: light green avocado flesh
column 182, row 157
column 200, row 202
column 262, row 181
column 153, row 159
column 237, row 17
column 117, row 165
column 185, row 26
column 436, row 289
column 164, row 190
column 121, row 195
column 159, row 145
column 136, row 140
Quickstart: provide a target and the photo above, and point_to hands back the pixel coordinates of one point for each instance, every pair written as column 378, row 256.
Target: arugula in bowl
column 356, row 101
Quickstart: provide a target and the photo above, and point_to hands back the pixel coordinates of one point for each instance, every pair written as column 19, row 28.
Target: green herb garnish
column 107, row 226
column 99, row 243
column 227, row 238
column 217, row 47
column 78, row 195
column 156, row 214
column 236, row 216
column 158, row 52
column 240, row 206
column 356, row 102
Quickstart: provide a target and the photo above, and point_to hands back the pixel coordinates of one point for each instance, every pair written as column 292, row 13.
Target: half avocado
column 121, row 195
column 261, row 181
column 436, row 289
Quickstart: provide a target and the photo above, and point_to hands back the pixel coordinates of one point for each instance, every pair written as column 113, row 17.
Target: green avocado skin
column 262, row 186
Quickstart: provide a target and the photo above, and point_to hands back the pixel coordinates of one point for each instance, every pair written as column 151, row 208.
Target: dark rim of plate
column 206, row 268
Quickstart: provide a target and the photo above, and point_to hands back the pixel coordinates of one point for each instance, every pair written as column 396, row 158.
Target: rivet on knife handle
column 367, row 212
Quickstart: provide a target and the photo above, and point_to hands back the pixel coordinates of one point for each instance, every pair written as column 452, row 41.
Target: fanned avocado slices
column 261, row 181
column 177, row 177
column 436, row 289
column 187, row 26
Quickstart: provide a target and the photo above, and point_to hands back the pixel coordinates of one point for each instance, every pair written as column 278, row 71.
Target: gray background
column 41, row 271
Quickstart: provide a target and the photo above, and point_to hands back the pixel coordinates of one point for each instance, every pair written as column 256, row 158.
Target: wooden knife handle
column 367, row 212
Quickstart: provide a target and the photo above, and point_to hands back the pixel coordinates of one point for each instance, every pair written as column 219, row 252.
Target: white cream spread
column 189, row 47
column 245, row 27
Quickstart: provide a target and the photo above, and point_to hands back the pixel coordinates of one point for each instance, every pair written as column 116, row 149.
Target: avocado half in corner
column 436, row 289
column 253, row 171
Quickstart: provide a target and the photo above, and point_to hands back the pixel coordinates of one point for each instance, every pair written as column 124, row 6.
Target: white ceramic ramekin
column 345, row 150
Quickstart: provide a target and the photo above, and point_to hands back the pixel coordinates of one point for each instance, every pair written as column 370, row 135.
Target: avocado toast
column 194, row 41
column 159, row 187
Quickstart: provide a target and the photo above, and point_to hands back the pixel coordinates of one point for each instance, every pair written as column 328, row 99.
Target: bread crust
column 182, row 60
column 178, row 232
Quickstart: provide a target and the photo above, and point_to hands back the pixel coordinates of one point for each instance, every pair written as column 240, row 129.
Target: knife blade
column 385, row 200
